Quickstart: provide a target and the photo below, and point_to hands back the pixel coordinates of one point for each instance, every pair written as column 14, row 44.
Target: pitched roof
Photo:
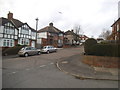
column 115, row 22
column 18, row 24
column 15, row 22
column 69, row 32
column 50, row 28
column 5, row 20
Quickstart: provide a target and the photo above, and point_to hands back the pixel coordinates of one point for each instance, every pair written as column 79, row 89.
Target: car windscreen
column 22, row 48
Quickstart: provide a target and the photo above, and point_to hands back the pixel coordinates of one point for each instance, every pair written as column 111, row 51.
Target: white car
column 48, row 49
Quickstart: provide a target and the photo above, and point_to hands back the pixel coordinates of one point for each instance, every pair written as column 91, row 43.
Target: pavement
column 74, row 66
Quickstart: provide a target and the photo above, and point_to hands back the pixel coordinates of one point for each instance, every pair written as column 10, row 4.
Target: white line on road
column 51, row 63
column 27, row 69
column 13, row 72
column 42, row 65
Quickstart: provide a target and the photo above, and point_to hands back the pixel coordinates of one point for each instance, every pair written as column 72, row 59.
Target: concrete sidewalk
column 74, row 66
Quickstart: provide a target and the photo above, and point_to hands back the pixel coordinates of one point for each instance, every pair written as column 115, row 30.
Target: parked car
column 60, row 45
column 26, row 51
column 48, row 49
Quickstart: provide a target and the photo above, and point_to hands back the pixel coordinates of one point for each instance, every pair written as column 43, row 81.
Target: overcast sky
column 92, row 15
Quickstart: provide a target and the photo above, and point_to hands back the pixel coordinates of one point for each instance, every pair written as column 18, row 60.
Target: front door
column 33, row 44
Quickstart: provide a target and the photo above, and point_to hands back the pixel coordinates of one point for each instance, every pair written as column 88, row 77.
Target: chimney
column 50, row 24
column 72, row 30
column 10, row 15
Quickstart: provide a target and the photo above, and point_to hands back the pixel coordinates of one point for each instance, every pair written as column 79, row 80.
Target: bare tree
column 77, row 30
column 105, row 34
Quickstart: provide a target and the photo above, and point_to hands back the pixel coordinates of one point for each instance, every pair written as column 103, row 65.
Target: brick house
column 115, row 31
column 49, row 35
column 13, row 32
column 83, row 38
column 71, row 38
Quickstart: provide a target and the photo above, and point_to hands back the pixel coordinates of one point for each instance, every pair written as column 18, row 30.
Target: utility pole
column 36, row 29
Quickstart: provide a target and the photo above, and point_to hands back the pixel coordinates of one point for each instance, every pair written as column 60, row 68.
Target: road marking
column 64, row 62
column 13, row 72
column 51, row 63
column 42, row 65
column 27, row 69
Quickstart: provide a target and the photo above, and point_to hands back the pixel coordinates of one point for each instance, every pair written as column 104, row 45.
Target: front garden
column 102, row 54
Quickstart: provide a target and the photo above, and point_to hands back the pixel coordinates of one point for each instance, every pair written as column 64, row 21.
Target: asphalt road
column 40, row 71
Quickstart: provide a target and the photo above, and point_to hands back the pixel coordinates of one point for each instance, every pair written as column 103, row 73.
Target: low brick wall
column 66, row 46
column 102, row 61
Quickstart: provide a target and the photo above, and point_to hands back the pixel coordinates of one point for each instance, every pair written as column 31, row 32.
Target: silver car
column 26, row 51
column 48, row 49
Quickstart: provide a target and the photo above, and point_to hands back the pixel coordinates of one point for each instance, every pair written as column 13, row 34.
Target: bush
column 112, row 50
column 12, row 50
column 88, row 45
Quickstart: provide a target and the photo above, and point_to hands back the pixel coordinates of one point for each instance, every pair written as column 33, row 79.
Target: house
column 71, row 38
column 8, row 33
column 83, row 38
column 50, row 35
column 116, row 31
column 13, row 32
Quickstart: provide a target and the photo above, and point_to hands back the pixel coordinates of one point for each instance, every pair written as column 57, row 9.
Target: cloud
column 92, row 15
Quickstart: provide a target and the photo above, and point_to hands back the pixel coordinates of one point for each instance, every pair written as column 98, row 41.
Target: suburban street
column 40, row 71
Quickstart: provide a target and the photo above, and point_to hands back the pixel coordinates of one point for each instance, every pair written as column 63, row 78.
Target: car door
column 28, row 50
column 34, row 50
column 52, row 48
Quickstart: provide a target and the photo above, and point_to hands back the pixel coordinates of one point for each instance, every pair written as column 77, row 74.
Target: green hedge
column 12, row 50
column 88, row 44
column 112, row 50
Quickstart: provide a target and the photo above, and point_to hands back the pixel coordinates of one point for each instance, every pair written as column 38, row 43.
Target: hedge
column 112, row 50
column 88, row 44
column 12, row 50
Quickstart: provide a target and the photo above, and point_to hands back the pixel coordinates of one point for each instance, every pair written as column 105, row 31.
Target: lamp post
column 36, row 29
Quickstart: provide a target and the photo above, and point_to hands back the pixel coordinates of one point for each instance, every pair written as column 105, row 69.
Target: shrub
column 88, row 45
column 112, row 50
column 12, row 50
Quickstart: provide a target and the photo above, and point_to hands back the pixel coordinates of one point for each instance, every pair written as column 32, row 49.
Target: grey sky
column 92, row 15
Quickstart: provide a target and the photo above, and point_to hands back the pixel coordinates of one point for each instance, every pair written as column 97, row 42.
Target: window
column 8, row 43
column 117, row 27
column 60, row 34
column 24, row 41
column 9, row 29
column 28, row 48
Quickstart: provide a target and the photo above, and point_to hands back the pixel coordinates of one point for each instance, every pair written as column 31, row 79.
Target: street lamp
column 36, row 29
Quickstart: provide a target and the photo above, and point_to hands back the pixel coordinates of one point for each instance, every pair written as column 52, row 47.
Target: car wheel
column 26, row 54
column 39, row 53
column 48, row 52
column 55, row 50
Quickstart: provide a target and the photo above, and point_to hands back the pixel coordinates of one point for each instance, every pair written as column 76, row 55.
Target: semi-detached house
column 13, row 32
column 50, row 35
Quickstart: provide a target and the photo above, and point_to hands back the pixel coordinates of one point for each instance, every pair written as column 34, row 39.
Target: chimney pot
column 10, row 15
column 50, row 24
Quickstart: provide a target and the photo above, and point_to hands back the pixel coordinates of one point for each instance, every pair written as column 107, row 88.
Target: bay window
column 8, row 42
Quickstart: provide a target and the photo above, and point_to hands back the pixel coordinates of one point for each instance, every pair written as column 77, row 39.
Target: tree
column 105, row 34
column 77, row 30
